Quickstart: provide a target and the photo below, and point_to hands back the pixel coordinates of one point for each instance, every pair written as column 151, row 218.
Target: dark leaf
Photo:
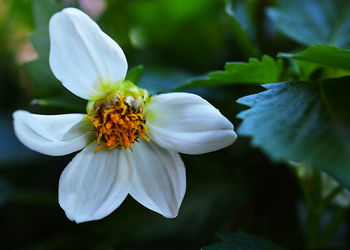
column 306, row 122
column 242, row 241
column 313, row 21
column 244, row 41
column 134, row 75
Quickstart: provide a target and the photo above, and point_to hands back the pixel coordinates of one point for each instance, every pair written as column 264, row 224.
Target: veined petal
column 86, row 60
column 159, row 181
column 187, row 124
column 52, row 134
column 94, row 184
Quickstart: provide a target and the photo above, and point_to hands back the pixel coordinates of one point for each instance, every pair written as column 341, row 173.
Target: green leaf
column 39, row 70
column 312, row 22
column 40, row 74
column 42, row 12
column 21, row 10
column 302, row 70
column 12, row 151
column 160, row 80
column 253, row 72
column 134, row 75
column 242, row 38
column 324, row 55
column 242, row 241
column 67, row 103
column 307, row 122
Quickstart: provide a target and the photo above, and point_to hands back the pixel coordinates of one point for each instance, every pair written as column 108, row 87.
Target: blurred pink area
column 94, row 8
column 26, row 53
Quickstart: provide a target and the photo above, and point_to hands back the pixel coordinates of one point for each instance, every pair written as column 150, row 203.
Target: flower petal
column 52, row 134
column 94, row 184
column 86, row 60
column 159, row 181
column 187, row 124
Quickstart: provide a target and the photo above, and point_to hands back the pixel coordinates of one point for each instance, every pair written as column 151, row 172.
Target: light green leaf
column 242, row 241
column 307, row 122
column 324, row 55
column 21, row 10
column 43, row 10
column 253, row 72
column 134, row 75
column 302, row 70
column 312, row 22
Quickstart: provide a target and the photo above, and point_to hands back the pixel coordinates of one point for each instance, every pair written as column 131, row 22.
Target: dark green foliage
column 313, row 21
column 134, row 75
column 299, row 121
column 242, row 241
column 238, row 23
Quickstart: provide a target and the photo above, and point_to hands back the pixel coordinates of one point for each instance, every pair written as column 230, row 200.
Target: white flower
column 129, row 141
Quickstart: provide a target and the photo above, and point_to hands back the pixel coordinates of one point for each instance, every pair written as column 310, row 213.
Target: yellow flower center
column 117, row 124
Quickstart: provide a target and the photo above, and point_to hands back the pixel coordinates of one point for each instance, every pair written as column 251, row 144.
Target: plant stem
column 313, row 229
column 312, row 195
column 316, row 205
column 333, row 225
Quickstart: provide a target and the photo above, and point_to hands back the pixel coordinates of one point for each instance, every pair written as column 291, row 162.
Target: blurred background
column 235, row 189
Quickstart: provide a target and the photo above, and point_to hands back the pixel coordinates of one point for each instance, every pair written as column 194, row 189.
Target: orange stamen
column 117, row 125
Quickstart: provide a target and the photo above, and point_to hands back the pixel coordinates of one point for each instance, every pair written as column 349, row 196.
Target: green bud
column 136, row 97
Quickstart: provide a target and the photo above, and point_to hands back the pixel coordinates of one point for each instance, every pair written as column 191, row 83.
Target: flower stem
column 313, row 229
column 313, row 192
column 311, row 187
column 333, row 225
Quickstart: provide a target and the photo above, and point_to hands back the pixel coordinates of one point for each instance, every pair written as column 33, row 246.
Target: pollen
column 117, row 125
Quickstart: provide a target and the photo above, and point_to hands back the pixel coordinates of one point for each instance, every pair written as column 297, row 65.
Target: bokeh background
column 235, row 189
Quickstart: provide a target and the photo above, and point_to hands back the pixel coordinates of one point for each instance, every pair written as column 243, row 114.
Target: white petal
column 52, row 134
column 159, row 181
column 94, row 184
column 187, row 124
column 86, row 60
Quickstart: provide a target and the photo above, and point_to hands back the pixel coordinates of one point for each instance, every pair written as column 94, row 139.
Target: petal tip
column 18, row 113
column 77, row 219
column 172, row 214
column 234, row 135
